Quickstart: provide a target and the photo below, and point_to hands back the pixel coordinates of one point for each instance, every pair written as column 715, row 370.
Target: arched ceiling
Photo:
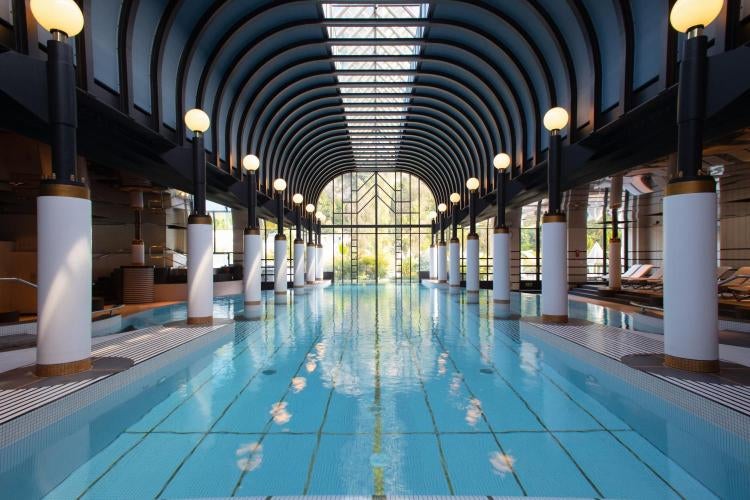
column 435, row 89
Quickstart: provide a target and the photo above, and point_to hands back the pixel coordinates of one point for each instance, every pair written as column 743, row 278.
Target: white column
column 454, row 274
column 299, row 266
column 280, row 265
column 554, row 269
column 432, row 262
column 200, row 264
column 690, row 301
column 310, row 264
column 615, row 271
column 138, row 253
column 64, row 280
column 319, row 263
column 251, row 272
column 472, row 268
column 501, row 266
column 442, row 262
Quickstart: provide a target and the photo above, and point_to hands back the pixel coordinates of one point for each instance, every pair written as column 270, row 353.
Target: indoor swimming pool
column 380, row 390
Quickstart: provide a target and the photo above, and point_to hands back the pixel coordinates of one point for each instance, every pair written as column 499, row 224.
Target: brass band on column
column 690, row 187
column 67, row 190
column 553, row 218
column 199, row 219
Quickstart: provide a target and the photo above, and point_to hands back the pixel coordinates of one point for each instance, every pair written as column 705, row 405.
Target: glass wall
column 223, row 234
column 378, row 228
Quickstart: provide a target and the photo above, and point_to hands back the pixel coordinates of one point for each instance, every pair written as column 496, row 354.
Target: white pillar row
column 454, row 273
column 501, row 266
column 310, row 263
column 279, row 265
column 299, row 266
column 691, row 330
column 472, row 268
column 319, row 262
column 554, row 269
column 251, row 273
column 200, row 264
column 432, row 262
column 64, row 280
column 442, row 262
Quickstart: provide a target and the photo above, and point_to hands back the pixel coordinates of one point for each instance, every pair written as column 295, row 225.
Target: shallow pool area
column 382, row 390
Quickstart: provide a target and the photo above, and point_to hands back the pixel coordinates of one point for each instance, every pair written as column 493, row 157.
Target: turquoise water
column 378, row 390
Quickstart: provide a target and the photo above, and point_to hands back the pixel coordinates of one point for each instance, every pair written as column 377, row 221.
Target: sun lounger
column 637, row 275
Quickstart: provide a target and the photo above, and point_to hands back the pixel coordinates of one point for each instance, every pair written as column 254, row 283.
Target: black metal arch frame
column 484, row 94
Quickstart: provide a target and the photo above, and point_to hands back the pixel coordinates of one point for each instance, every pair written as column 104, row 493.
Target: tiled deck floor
column 617, row 343
column 138, row 346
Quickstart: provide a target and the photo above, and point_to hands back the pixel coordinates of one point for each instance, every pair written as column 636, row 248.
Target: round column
column 200, row 249
column 251, row 271
column 472, row 268
column 319, row 262
column 280, row 265
column 615, row 271
column 64, row 280
column 138, row 253
column 442, row 263
column 310, row 263
column 454, row 273
column 433, row 262
column 501, row 266
column 299, row 266
column 554, row 268
column 691, row 339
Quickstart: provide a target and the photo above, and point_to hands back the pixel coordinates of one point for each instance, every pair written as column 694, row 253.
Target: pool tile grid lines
column 555, row 434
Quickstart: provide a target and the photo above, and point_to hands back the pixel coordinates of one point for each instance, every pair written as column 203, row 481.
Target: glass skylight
column 372, row 71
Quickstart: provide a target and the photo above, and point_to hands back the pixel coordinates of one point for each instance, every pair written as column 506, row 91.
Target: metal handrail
column 115, row 308
column 19, row 280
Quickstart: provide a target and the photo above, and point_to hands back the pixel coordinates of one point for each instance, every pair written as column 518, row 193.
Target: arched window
column 378, row 227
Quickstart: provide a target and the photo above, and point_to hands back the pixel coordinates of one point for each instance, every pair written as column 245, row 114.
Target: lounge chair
column 627, row 273
column 737, row 284
column 653, row 281
column 637, row 275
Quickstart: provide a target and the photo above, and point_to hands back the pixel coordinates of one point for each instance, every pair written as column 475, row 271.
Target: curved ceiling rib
column 434, row 88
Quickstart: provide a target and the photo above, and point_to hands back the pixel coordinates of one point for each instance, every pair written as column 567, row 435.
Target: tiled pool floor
column 389, row 390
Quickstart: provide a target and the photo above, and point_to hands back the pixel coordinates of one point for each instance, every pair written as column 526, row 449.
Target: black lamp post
column 251, row 163
column 501, row 162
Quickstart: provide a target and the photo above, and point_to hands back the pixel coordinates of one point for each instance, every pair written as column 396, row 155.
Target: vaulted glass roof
column 371, row 65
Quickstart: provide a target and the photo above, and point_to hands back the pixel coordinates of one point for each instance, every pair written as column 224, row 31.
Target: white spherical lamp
column 688, row 14
column 297, row 198
column 472, row 184
column 58, row 15
column 251, row 163
column 555, row 119
column 432, row 215
column 196, row 120
column 442, row 207
column 455, row 198
column 310, row 208
column 501, row 161
column 279, row 185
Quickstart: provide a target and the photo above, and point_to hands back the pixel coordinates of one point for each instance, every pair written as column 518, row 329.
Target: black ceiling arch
column 484, row 76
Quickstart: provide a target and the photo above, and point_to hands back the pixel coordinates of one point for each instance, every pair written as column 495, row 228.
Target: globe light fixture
column 689, row 14
column 555, row 119
column 297, row 198
column 63, row 16
column 279, row 184
column 455, row 198
column 432, row 215
column 472, row 184
column 501, row 161
column 251, row 163
column 442, row 207
column 320, row 216
column 310, row 208
column 196, row 120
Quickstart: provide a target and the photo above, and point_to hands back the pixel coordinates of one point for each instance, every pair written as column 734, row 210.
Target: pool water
column 371, row 390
